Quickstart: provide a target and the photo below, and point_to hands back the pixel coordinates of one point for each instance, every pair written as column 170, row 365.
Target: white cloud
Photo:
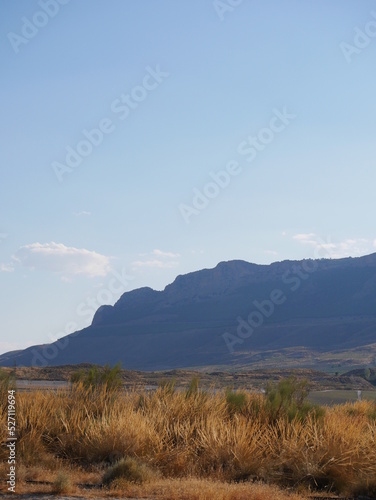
column 83, row 212
column 270, row 252
column 6, row 268
column 155, row 263
column 197, row 252
column 159, row 253
column 305, row 237
column 67, row 261
column 354, row 247
column 157, row 259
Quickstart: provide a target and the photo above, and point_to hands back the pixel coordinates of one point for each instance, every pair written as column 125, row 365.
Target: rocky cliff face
column 320, row 305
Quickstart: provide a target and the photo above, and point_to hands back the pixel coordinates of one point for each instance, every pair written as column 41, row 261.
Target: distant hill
column 368, row 374
column 237, row 314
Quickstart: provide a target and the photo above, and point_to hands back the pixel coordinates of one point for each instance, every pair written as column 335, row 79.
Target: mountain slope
column 226, row 316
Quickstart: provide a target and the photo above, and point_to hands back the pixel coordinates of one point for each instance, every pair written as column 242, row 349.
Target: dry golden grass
column 199, row 448
column 199, row 489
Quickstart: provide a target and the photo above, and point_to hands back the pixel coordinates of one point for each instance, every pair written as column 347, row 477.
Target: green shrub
column 7, row 380
column 255, row 407
column 288, row 399
column 97, row 377
column 129, row 470
column 236, row 401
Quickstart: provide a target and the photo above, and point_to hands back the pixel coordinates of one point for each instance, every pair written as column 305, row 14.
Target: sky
column 142, row 140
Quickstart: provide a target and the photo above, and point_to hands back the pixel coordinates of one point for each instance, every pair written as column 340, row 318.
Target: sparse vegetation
column 7, row 381
column 370, row 375
column 167, row 385
column 62, row 483
column 224, row 437
column 236, row 401
column 288, row 399
column 130, row 470
column 97, row 377
column 193, row 389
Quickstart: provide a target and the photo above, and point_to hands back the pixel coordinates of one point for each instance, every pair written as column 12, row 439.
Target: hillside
column 238, row 314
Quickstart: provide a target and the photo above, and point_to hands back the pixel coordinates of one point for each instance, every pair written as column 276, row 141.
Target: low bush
column 287, row 399
column 107, row 377
column 129, row 470
column 62, row 484
column 236, row 401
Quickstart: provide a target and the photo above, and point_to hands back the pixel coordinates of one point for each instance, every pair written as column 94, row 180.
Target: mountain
column 238, row 314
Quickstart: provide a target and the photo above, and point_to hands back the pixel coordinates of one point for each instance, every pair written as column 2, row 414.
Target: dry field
column 188, row 445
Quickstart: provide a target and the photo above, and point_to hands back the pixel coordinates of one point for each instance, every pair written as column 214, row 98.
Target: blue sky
column 172, row 93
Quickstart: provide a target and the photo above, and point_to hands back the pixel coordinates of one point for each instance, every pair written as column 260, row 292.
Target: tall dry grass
column 202, row 436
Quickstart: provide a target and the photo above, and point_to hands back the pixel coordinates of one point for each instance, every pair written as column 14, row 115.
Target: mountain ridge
column 324, row 305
